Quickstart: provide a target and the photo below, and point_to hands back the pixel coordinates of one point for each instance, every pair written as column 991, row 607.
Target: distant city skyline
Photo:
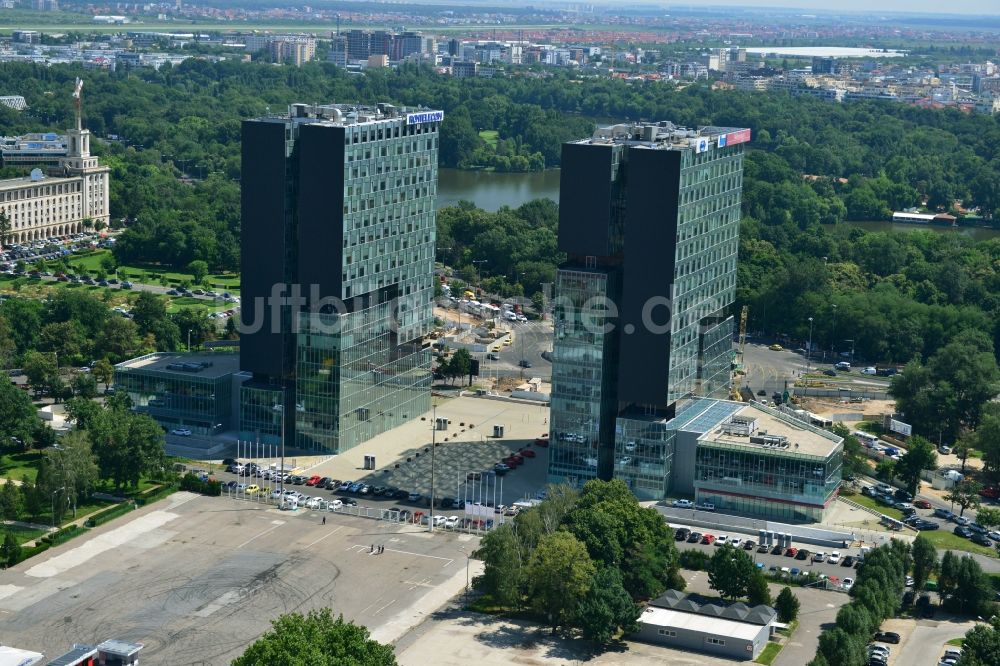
column 986, row 7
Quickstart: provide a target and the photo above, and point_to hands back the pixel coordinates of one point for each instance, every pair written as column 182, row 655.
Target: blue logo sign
column 425, row 117
column 722, row 140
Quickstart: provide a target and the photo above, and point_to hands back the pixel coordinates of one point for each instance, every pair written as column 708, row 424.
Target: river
column 490, row 190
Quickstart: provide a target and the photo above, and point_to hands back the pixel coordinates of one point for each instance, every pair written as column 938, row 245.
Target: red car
column 517, row 457
column 708, row 538
column 921, row 504
column 791, row 552
column 313, row 480
column 527, row 453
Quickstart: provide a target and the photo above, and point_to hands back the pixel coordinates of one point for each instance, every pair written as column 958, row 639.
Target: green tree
column 127, row 445
column 731, row 572
column 758, row 592
column 82, row 412
column 193, row 326
column 42, row 373
column 607, row 608
column 103, row 371
column 962, row 449
column 316, row 639
column 988, row 517
column 841, row 648
column 18, row 417
column 618, row 532
column 32, row 497
column 108, row 263
column 925, row 561
column 948, row 576
column 965, row 494
column 72, row 465
column 559, row 576
column 198, row 270
column 11, row 501
column 787, row 605
column 919, row 456
column 982, row 644
column 85, row 386
column 460, row 364
column 886, row 470
column 973, row 590
column 504, row 558
column 148, row 310
column 10, row 551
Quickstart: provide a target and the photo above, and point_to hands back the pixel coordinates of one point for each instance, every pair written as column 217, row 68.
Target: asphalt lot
column 196, row 579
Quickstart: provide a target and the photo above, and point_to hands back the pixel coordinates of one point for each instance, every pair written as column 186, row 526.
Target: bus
column 867, row 439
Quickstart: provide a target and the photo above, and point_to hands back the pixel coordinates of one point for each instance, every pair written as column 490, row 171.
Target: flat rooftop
column 26, row 181
column 716, row 626
column 763, row 429
column 212, row 364
column 355, row 114
column 665, row 135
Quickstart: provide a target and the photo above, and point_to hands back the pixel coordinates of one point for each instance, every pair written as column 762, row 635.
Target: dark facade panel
column 653, row 179
column 585, row 199
column 263, row 241
column 321, row 208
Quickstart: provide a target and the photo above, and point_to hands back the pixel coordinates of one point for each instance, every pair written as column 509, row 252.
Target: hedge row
column 110, row 513
column 63, row 535
column 29, row 552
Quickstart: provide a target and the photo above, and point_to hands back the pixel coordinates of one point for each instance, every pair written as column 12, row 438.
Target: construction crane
column 734, row 390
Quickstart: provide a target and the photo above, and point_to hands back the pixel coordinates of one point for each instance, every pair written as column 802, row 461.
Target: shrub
column 695, row 560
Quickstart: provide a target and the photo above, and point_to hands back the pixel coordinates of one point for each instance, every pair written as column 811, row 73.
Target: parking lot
column 403, row 457
column 196, row 579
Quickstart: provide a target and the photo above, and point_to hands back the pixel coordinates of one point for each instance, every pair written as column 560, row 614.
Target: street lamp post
column 433, row 446
column 53, row 502
column 476, row 269
column 834, row 332
column 809, row 351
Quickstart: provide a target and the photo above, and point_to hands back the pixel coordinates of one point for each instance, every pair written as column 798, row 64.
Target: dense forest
column 811, row 165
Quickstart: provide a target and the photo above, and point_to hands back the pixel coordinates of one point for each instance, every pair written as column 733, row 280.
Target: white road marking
column 377, row 599
column 8, row 590
column 384, row 607
column 270, row 529
column 406, row 552
column 331, row 533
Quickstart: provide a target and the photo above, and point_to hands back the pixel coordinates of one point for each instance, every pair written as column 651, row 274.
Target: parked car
column 777, row 550
column 313, row 480
column 682, row 534
column 695, row 537
column 887, row 637
column 791, row 552
column 819, row 557
column 526, row 453
column 721, row 540
column 943, row 513
column 834, row 557
column 181, row 432
column 921, row 504
column 981, row 540
column 848, row 561
column 963, row 532
column 749, row 544
column 708, row 539
column 682, row 504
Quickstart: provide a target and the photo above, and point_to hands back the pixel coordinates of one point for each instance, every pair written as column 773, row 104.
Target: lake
column 490, row 190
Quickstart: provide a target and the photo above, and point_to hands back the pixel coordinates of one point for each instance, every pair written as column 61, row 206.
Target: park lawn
column 957, row 642
column 864, row 500
column 16, row 465
column 24, row 534
column 947, row 540
column 91, row 262
column 83, row 509
column 177, row 303
column 490, row 137
column 769, row 653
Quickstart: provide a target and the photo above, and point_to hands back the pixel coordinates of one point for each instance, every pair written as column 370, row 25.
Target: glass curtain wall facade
column 649, row 219
column 704, row 280
column 584, row 355
column 352, row 383
column 261, row 407
column 338, row 208
column 754, row 481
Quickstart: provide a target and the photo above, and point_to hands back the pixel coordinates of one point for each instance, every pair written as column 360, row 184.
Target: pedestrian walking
column 372, row 549
column 324, row 520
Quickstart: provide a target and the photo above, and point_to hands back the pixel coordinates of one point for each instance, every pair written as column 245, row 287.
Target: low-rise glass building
column 196, row 391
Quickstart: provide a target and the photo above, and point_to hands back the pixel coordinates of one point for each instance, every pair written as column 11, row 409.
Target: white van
column 290, row 504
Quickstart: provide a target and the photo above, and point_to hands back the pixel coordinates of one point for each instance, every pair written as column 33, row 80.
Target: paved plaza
column 196, row 579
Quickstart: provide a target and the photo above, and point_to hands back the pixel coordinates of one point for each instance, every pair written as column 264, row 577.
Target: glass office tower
column 649, row 221
column 338, row 265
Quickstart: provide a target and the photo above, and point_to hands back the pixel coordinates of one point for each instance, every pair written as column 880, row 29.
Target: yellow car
column 252, row 489
column 507, row 341
column 776, row 347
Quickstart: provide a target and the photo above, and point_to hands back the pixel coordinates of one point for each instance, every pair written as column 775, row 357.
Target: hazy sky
column 988, row 7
